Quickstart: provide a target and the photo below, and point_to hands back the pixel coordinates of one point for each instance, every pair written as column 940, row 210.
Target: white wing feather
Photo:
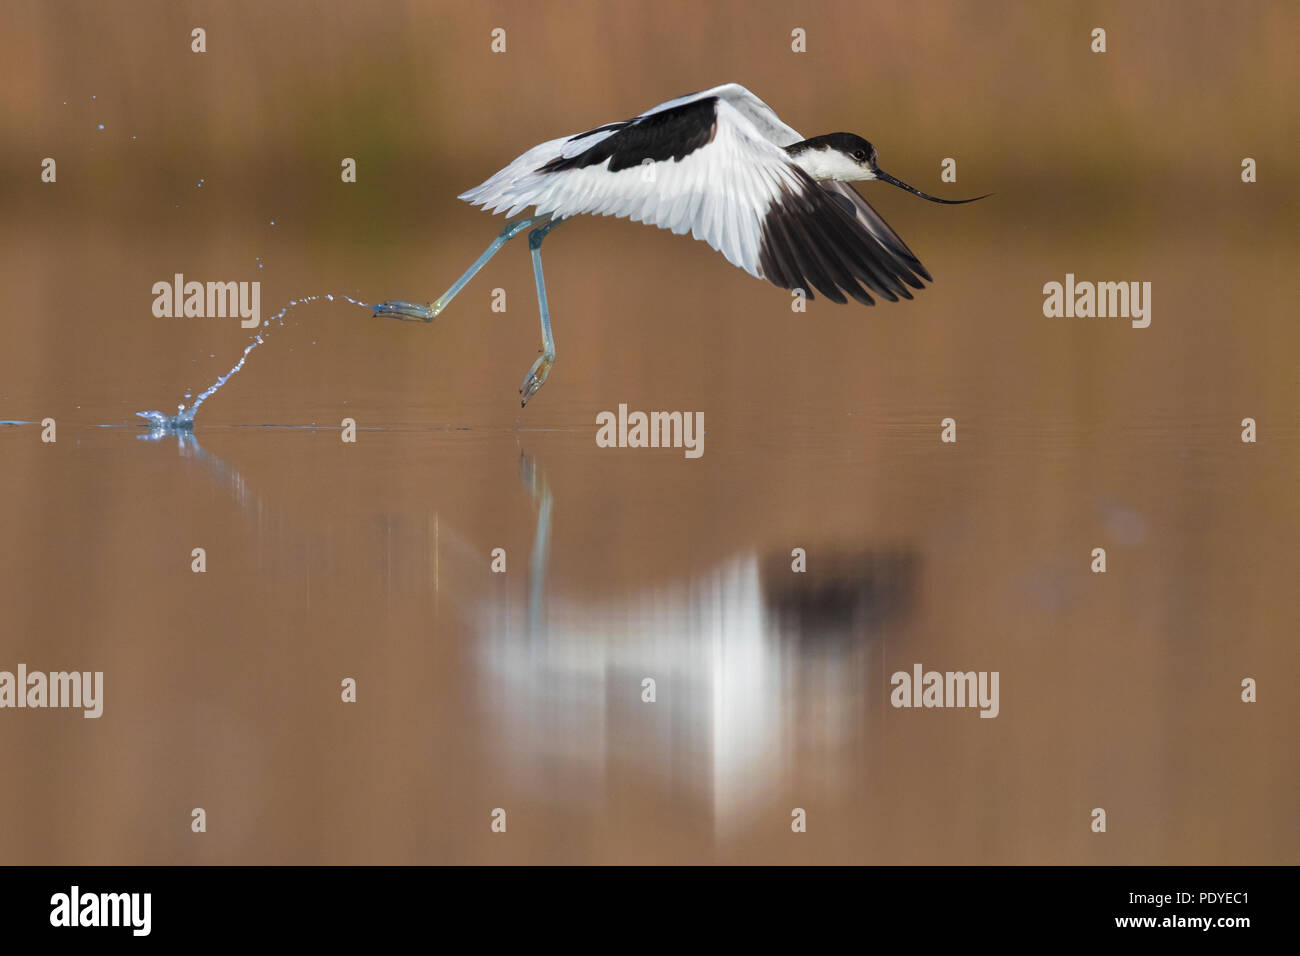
column 719, row 193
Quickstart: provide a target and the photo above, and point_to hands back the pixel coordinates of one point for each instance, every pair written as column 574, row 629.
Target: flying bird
column 721, row 165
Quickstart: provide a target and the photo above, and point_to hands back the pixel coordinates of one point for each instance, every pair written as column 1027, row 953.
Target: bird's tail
column 519, row 185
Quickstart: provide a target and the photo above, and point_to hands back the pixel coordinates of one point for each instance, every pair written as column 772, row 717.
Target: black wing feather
column 818, row 236
column 669, row 134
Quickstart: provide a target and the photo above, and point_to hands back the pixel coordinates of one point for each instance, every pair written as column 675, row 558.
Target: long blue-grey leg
column 413, row 311
column 536, row 376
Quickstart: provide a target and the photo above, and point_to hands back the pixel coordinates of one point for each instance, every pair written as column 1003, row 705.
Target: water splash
column 183, row 420
column 158, row 431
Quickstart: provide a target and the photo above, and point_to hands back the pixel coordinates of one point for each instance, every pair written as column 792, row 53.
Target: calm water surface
column 522, row 690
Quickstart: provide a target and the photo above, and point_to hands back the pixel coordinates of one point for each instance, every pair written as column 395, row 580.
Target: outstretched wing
column 770, row 126
column 708, row 164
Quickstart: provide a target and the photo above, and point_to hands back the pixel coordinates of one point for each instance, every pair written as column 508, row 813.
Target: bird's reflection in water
column 757, row 670
column 222, row 471
column 539, row 491
column 830, row 631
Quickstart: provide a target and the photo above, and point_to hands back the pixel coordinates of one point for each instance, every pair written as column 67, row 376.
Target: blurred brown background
column 522, row 690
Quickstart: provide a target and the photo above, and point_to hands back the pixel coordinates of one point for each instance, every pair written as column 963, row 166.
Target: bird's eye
column 859, row 154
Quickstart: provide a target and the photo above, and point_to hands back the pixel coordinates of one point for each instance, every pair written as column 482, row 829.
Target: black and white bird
column 721, row 165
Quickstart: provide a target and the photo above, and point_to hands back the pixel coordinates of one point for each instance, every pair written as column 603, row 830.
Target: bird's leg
column 413, row 311
column 542, row 367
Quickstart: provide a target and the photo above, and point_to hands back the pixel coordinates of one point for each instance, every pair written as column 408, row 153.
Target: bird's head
column 840, row 156
column 848, row 158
